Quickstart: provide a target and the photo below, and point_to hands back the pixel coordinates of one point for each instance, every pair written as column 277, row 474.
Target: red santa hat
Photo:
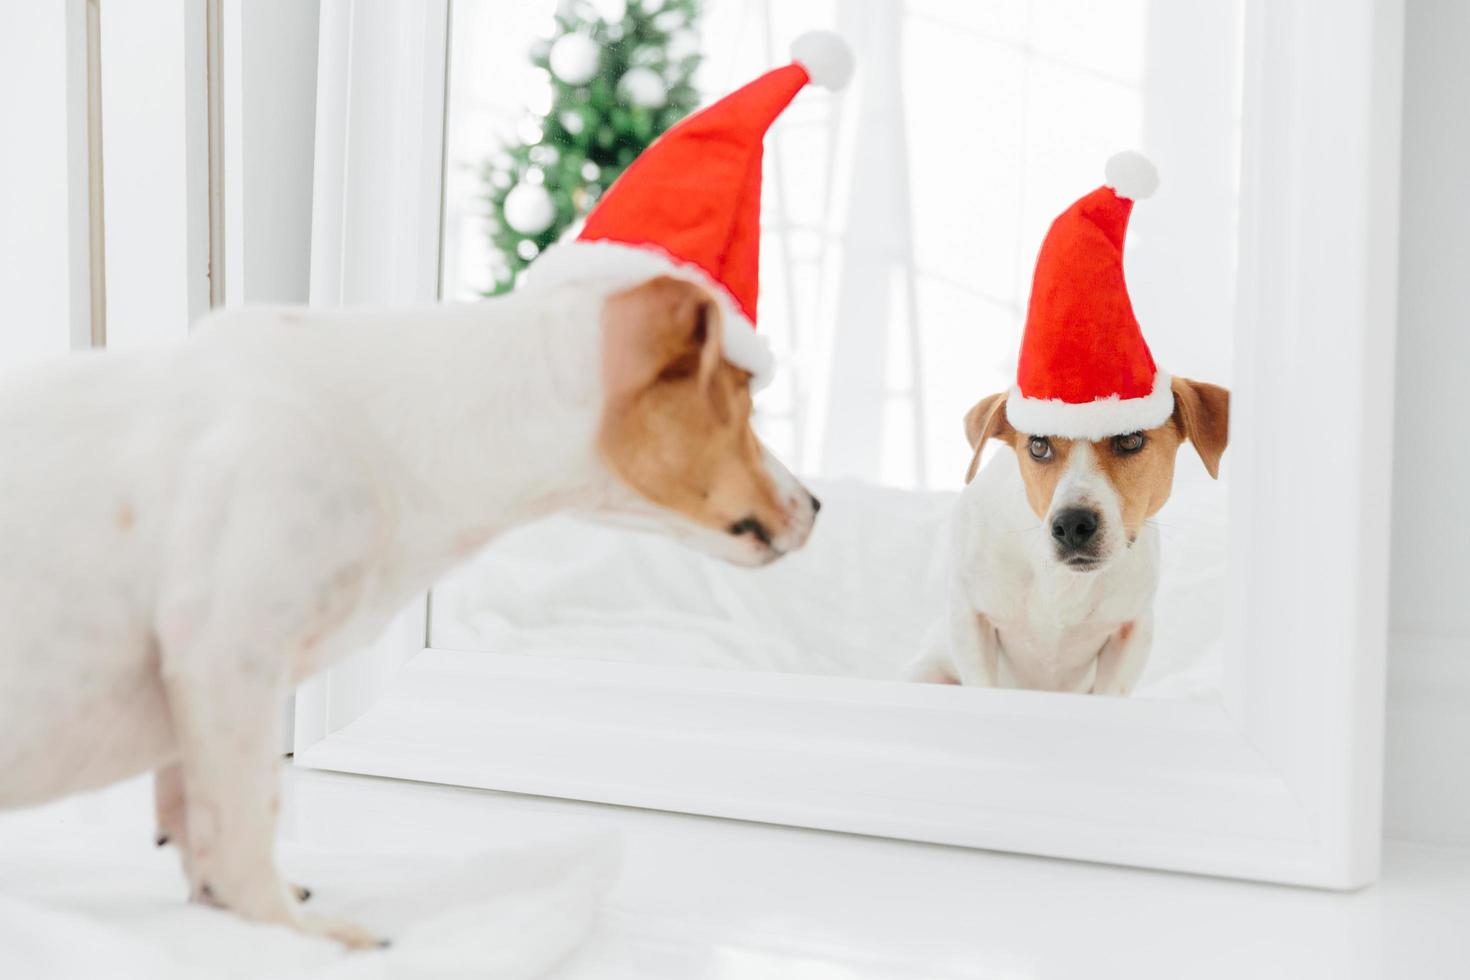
column 689, row 206
column 1085, row 370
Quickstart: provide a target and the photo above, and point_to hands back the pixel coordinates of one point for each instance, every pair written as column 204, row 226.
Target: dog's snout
column 816, row 504
column 1074, row 527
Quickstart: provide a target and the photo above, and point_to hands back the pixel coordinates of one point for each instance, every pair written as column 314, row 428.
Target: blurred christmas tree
column 620, row 73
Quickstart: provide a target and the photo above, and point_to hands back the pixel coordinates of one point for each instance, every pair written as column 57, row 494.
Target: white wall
column 1427, row 782
column 34, row 278
column 145, row 172
column 154, row 171
column 270, row 63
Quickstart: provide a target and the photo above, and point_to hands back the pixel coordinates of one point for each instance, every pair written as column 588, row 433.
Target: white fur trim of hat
column 621, row 265
column 1091, row 420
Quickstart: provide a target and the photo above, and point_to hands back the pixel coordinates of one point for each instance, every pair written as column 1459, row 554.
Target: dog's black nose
column 1074, row 527
column 816, row 504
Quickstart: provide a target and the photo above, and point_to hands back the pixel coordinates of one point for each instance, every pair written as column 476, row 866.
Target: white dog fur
column 1063, row 629
column 186, row 533
column 1025, row 608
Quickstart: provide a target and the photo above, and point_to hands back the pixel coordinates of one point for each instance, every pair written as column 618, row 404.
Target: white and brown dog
column 1056, row 566
column 186, row 534
column 1055, row 563
column 190, row 532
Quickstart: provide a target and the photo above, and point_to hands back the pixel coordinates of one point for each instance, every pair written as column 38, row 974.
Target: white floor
column 702, row 898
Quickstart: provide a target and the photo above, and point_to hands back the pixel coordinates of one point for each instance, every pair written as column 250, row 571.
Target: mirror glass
column 902, row 219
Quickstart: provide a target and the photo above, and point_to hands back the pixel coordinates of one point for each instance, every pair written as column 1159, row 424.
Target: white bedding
column 80, row 904
column 855, row 601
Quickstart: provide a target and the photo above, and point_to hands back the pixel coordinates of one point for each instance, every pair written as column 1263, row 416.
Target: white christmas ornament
column 529, row 209
column 573, row 59
column 643, row 88
column 682, row 44
column 540, row 96
column 529, row 130
column 612, row 11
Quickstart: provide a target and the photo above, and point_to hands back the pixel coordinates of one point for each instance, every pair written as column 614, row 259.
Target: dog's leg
column 973, row 645
column 168, row 808
column 1122, row 658
column 172, row 828
column 266, row 556
column 933, row 665
column 229, row 764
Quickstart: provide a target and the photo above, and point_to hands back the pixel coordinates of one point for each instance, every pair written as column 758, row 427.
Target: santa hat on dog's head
column 1085, row 371
column 689, row 206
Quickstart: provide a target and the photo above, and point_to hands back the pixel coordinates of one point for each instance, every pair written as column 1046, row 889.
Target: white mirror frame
column 1279, row 782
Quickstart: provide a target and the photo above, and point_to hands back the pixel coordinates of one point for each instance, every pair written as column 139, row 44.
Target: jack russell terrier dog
column 1056, row 565
column 189, row 533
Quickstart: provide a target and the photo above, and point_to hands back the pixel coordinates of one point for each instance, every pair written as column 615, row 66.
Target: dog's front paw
column 349, row 934
column 930, row 670
column 253, row 904
column 203, row 894
column 168, row 802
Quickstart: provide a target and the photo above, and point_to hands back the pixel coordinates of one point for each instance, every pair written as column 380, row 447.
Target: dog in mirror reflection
column 1053, row 581
column 1056, row 561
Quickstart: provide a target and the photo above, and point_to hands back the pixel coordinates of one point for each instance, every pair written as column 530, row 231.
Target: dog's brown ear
column 1202, row 413
column 663, row 329
column 987, row 420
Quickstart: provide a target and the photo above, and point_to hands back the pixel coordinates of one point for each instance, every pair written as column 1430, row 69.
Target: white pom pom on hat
column 1079, row 304
column 826, row 57
column 1132, row 175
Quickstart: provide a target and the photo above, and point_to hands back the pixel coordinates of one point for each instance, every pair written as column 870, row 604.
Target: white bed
column 855, row 602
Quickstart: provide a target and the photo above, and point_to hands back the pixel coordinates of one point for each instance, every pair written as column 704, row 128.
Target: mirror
column 901, row 223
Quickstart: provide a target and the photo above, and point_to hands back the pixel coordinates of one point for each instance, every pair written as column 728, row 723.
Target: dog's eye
column 1040, row 449
column 1131, row 443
